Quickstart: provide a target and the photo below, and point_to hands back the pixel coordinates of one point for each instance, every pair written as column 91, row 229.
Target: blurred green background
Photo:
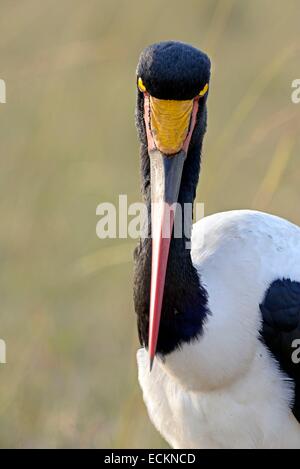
column 68, row 143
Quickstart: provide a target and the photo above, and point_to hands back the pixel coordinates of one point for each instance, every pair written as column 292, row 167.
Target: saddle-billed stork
column 221, row 317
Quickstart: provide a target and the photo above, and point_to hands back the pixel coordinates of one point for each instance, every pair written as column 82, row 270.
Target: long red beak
column 165, row 183
column 166, row 172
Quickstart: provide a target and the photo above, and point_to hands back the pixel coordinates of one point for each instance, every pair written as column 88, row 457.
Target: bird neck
column 184, row 305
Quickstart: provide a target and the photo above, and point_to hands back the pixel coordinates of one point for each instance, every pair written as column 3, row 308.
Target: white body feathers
column 225, row 390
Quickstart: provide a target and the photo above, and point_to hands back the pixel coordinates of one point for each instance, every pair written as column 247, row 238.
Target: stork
column 220, row 315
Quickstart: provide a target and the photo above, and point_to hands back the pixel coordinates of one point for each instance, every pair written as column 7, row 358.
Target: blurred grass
column 68, row 142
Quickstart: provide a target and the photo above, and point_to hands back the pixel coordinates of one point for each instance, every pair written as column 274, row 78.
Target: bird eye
column 141, row 85
column 204, row 90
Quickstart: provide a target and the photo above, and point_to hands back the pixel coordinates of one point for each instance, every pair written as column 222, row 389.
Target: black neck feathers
column 185, row 300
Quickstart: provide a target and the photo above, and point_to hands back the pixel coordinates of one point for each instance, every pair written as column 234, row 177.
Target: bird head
column 172, row 83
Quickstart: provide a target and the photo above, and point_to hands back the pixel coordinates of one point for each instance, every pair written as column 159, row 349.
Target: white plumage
column 225, row 389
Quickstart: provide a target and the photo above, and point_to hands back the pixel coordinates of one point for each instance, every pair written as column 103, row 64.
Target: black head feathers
column 173, row 70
